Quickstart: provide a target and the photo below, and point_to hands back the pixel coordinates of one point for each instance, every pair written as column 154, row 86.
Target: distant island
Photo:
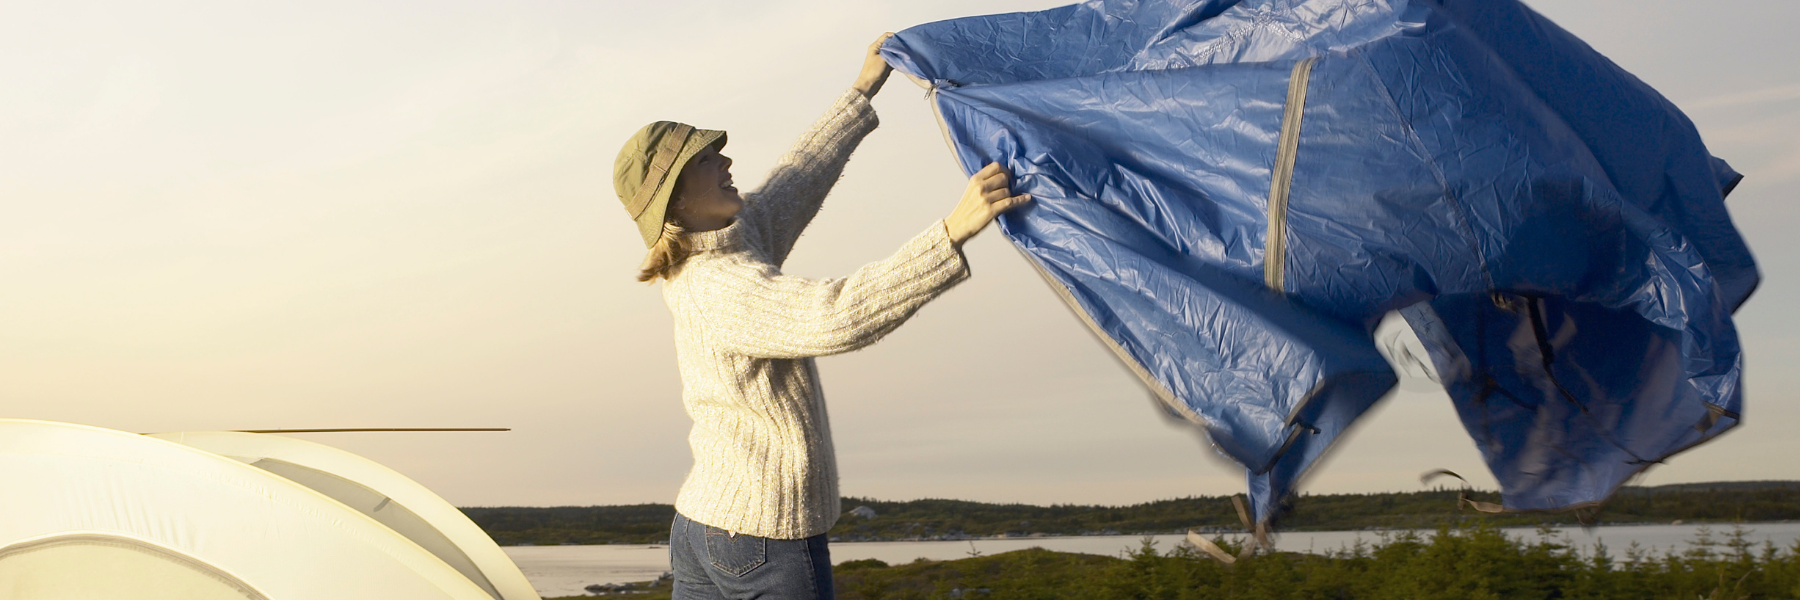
column 867, row 519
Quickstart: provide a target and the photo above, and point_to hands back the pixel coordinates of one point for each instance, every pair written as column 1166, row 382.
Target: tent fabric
column 1233, row 193
column 203, row 512
column 383, row 494
column 62, row 568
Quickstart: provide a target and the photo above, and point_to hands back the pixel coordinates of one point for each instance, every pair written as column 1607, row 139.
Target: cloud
column 1784, row 168
column 1780, row 93
column 128, row 95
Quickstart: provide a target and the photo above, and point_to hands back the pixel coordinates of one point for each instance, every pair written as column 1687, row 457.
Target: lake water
column 565, row 570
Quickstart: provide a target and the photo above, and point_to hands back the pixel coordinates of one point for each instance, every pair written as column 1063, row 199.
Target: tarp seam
column 1156, row 388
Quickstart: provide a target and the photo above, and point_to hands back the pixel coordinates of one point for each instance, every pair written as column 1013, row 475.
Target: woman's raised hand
column 988, row 195
column 875, row 69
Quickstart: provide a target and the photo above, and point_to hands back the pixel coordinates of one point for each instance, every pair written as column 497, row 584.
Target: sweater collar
column 725, row 238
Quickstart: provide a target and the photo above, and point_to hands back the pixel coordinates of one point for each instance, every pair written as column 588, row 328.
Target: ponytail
column 666, row 255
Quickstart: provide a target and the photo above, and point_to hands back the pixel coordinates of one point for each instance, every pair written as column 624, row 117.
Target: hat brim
column 650, row 222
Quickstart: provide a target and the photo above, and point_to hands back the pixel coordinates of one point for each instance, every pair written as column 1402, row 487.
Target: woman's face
column 705, row 198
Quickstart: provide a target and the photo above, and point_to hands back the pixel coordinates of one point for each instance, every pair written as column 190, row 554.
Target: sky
column 222, row 215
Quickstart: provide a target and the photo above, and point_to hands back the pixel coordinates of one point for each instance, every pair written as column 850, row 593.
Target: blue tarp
column 1232, row 193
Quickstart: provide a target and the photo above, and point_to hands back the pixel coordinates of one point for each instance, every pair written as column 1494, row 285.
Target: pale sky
column 223, row 215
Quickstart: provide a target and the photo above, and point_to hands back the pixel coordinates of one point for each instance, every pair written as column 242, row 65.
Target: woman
column 763, row 491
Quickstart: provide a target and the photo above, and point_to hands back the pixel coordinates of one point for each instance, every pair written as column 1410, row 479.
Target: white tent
column 396, row 501
column 87, row 512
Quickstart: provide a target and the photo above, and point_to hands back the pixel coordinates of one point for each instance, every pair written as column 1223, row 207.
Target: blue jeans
column 712, row 564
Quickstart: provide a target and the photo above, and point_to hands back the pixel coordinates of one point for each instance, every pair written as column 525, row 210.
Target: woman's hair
column 666, row 256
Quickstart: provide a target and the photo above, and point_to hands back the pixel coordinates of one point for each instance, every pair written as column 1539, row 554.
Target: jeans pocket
column 735, row 554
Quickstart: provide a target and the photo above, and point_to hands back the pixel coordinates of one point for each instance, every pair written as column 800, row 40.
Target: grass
column 1453, row 564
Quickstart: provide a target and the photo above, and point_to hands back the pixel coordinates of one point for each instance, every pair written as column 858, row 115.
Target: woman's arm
column 752, row 309
column 796, row 188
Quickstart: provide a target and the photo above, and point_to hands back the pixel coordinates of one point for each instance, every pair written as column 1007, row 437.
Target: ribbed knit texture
column 745, row 335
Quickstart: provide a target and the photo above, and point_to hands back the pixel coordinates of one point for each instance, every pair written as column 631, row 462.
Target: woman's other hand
column 988, row 195
column 875, row 69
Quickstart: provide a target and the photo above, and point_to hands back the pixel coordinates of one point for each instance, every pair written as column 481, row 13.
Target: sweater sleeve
column 754, row 310
column 795, row 189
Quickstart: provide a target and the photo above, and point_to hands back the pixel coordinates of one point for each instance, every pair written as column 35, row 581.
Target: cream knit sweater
column 746, row 335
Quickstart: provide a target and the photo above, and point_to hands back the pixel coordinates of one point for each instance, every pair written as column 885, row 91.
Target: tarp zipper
column 1275, row 248
column 931, row 92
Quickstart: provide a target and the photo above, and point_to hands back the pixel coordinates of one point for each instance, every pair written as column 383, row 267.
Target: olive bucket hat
column 644, row 174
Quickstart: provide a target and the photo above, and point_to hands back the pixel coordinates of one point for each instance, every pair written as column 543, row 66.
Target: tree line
column 933, row 519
